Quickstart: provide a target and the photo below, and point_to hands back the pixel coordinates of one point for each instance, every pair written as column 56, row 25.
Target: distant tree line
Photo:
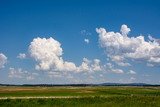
column 84, row 85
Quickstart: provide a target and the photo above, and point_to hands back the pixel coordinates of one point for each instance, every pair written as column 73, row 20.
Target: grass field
column 80, row 96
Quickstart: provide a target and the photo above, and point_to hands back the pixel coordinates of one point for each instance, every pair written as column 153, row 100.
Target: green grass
column 89, row 96
column 114, row 101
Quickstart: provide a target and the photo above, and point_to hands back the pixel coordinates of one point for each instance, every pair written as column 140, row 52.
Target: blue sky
column 69, row 23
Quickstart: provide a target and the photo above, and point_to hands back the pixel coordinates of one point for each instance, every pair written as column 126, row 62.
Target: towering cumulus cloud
column 3, row 60
column 48, row 54
column 120, row 47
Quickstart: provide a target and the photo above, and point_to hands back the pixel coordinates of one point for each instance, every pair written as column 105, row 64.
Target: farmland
column 112, row 96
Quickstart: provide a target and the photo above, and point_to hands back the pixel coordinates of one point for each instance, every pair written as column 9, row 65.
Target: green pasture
column 88, row 96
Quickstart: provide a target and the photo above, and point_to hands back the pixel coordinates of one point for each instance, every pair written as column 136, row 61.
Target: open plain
column 89, row 96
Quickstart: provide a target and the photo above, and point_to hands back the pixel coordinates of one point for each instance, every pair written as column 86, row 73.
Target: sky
column 79, row 41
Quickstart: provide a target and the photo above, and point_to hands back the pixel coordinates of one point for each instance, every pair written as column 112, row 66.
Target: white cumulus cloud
column 21, row 56
column 3, row 60
column 119, row 60
column 88, row 65
column 110, row 68
column 48, row 55
column 21, row 74
column 125, row 30
column 131, row 72
column 132, row 79
column 136, row 48
column 86, row 40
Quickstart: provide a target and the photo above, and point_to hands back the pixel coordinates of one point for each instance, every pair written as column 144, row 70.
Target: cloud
column 85, row 33
column 96, row 65
column 21, row 56
column 48, row 55
column 153, row 39
column 119, row 60
column 150, row 65
column 21, row 74
column 86, row 40
column 90, row 66
column 3, row 60
column 110, row 68
column 129, row 48
column 55, row 74
column 132, row 79
column 118, row 71
column 125, row 30
column 131, row 72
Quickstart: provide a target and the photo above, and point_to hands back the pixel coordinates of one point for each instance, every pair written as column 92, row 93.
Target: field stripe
column 41, row 97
